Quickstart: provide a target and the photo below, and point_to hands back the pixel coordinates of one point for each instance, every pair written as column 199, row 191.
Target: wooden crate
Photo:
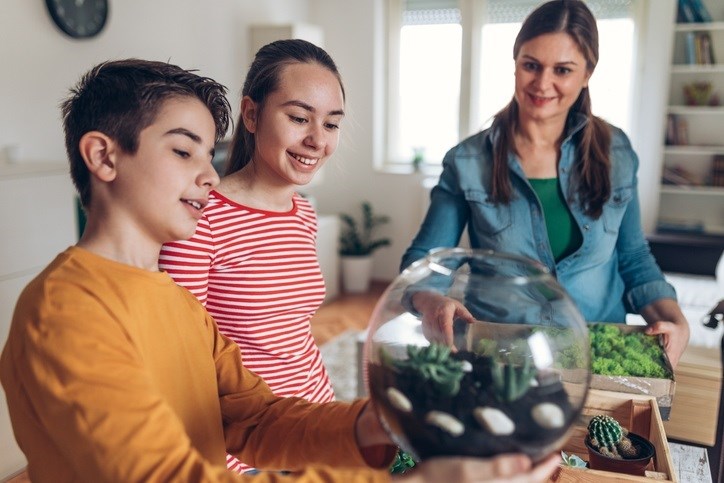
column 695, row 412
column 639, row 414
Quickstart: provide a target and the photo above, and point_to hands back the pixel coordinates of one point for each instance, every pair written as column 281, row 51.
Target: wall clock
column 79, row 18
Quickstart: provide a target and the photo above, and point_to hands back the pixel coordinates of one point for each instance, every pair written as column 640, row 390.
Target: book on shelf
column 690, row 44
column 700, row 11
column 677, row 133
column 717, row 171
column 704, row 49
column 679, row 176
column 698, row 48
column 685, row 12
column 689, row 11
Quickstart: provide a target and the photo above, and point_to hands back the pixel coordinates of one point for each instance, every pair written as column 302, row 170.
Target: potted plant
column 357, row 244
column 612, row 448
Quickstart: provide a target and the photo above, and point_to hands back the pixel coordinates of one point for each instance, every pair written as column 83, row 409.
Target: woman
column 552, row 182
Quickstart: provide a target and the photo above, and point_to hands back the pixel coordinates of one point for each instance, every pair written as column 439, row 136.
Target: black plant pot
column 631, row 466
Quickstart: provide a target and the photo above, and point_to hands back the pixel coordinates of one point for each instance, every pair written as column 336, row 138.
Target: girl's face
column 550, row 72
column 297, row 129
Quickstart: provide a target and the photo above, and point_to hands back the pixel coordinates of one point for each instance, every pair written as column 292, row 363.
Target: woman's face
column 550, row 72
column 298, row 127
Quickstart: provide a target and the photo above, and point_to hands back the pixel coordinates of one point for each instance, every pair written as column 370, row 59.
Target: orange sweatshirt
column 113, row 373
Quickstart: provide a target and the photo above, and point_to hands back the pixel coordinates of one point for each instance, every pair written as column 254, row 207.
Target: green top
column 563, row 232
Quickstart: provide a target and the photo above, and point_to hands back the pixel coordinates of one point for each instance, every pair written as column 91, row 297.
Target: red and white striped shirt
column 258, row 275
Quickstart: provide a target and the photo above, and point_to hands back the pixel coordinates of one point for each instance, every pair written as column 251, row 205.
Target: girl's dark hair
column 123, row 97
column 263, row 79
column 591, row 173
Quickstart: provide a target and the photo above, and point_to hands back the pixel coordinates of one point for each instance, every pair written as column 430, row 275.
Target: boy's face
column 161, row 190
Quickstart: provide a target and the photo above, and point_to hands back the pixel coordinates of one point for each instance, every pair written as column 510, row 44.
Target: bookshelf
column 692, row 191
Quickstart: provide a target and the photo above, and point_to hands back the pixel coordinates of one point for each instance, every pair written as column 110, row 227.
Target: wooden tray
column 637, row 413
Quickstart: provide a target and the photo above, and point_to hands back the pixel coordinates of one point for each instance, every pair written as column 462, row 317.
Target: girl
column 252, row 261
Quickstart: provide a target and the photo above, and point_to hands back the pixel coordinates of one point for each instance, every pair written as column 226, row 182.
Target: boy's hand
column 368, row 429
column 512, row 468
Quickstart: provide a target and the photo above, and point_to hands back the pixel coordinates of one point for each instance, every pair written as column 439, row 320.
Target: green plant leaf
column 357, row 238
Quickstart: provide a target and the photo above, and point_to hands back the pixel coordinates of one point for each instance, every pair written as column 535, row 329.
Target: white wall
column 39, row 64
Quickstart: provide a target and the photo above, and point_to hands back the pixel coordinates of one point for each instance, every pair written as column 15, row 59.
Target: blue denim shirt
column 613, row 271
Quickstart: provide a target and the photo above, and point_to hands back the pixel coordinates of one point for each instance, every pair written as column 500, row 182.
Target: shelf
column 694, row 150
column 692, row 190
column 698, row 26
column 25, row 169
column 697, row 68
column 679, row 109
column 694, row 253
column 695, row 206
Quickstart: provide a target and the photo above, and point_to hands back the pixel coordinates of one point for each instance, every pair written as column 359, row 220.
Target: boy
column 112, row 371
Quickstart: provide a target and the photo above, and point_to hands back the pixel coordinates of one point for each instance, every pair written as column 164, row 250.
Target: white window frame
column 473, row 18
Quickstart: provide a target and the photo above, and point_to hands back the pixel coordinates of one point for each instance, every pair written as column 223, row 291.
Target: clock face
column 79, row 18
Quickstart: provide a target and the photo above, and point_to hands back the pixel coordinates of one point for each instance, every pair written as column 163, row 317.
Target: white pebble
column 445, row 422
column 466, row 366
column 548, row 415
column 494, row 420
column 398, row 400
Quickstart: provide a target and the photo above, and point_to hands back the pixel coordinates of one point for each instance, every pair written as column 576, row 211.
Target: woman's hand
column 665, row 318
column 438, row 313
column 512, row 468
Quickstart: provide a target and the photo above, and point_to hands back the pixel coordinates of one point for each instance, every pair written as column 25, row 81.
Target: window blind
column 515, row 11
column 431, row 12
column 425, row 12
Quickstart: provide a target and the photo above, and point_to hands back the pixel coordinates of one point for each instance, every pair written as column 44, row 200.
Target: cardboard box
column 661, row 389
column 695, row 413
column 639, row 414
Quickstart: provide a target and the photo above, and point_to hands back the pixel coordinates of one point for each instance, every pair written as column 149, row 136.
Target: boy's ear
column 249, row 113
column 99, row 153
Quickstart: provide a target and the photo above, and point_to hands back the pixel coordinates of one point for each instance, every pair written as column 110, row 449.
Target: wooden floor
column 349, row 311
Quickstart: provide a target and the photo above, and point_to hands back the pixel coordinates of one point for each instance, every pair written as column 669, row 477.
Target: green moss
column 634, row 354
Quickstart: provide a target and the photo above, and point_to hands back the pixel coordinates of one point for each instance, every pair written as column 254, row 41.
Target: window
column 451, row 69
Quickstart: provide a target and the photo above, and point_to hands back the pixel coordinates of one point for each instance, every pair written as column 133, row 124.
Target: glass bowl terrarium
column 477, row 353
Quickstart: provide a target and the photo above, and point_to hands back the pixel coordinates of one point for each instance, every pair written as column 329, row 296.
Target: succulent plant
column 403, row 463
column 609, row 438
column 511, row 381
column 433, row 364
column 511, row 370
column 572, row 460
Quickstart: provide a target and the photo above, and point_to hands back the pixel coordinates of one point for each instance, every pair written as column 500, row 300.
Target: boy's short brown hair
column 121, row 98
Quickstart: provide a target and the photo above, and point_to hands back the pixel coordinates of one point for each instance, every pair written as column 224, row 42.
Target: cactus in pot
column 609, row 438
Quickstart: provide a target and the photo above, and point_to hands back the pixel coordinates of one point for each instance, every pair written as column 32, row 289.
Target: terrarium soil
column 476, row 390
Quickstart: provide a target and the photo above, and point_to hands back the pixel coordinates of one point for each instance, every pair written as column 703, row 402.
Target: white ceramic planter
column 356, row 273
